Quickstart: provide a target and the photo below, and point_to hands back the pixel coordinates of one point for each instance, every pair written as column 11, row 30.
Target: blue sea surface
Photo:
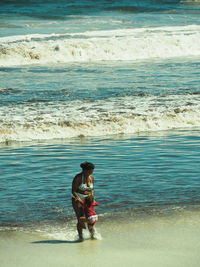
column 150, row 174
column 112, row 82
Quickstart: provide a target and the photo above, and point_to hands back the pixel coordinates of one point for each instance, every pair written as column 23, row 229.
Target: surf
column 114, row 45
column 127, row 115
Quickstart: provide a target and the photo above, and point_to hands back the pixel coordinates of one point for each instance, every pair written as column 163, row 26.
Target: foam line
column 122, row 44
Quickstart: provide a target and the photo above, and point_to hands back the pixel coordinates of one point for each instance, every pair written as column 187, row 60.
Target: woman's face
column 89, row 172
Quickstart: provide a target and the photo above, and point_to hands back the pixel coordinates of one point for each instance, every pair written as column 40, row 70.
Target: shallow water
column 156, row 173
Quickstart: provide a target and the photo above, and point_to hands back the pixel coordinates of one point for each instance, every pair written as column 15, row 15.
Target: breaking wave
column 123, row 44
column 40, row 121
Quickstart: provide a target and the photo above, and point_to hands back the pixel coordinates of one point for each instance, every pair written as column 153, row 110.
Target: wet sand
column 156, row 242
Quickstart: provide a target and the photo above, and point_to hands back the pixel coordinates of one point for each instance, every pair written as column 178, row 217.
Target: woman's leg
column 79, row 212
column 83, row 219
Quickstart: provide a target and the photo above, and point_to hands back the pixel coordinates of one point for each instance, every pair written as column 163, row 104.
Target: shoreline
column 163, row 241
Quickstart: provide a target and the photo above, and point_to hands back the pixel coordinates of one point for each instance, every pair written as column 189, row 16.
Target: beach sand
column 162, row 241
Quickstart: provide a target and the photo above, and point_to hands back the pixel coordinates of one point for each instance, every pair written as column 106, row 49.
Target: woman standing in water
column 82, row 186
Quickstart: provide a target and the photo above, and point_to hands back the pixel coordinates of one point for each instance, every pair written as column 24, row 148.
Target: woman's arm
column 75, row 185
column 93, row 185
column 79, row 201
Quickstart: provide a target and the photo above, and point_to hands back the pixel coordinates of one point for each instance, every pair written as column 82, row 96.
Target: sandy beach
column 152, row 242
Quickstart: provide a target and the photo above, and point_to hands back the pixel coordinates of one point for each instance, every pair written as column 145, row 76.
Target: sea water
column 116, row 83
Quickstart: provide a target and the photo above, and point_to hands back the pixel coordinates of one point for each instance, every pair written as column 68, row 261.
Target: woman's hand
column 77, row 198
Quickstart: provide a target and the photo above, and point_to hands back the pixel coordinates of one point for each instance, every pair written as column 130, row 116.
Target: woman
column 82, row 186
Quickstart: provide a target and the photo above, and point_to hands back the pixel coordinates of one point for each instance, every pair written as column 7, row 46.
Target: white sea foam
column 61, row 232
column 40, row 121
column 122, row 44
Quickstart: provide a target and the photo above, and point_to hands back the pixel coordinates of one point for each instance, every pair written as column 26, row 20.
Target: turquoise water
column 141, row 174
column 115, row 83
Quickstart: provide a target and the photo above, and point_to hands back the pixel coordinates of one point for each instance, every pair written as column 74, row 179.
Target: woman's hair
column 87, row 166
column 89, row 200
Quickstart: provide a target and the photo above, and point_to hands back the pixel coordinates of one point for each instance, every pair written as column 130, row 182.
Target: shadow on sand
column 56, row 242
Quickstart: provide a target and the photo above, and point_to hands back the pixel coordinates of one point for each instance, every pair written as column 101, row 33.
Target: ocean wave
column 122, row 44
column 40, row 121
